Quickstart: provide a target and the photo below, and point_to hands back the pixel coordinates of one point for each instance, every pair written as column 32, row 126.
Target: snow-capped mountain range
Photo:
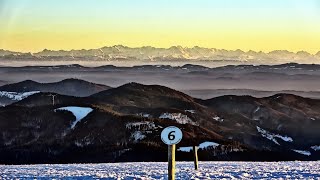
column 148, row 53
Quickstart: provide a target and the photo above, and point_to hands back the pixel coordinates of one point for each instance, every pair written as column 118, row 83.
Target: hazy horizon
column 184, row 47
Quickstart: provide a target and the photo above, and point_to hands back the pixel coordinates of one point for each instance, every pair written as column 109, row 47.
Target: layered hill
column 73, row 87
column 124, row 124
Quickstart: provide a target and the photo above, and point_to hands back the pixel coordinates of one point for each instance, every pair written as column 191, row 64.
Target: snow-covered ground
column 184, row 170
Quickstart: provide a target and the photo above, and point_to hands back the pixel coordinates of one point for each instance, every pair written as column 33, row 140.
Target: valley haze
column 63, row 114
column 202, row 82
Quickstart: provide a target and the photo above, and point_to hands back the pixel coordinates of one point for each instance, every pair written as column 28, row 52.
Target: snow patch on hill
column 141, row 129
column 17, row 96
column 141, row 125
column 306, row 153
column 315, row 148
column 207, row 144
column 146, row 115
column 180, row 118
column 83, row 142
column 203, row 145
column 137, row 136
column 284, row 138
column 190, row 111
column 217, row 118
column 272, row 137
column 78, row 112
column 185, row 149
column 257, row 109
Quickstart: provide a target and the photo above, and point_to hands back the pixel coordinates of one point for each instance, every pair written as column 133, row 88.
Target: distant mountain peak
column 149, row 53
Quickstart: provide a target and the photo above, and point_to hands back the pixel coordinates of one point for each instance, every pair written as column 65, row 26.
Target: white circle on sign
column 171, row 135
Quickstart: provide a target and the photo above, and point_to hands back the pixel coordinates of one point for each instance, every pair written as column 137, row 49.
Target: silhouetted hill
column 285, row 114
column 135, row 94
column 72, row 87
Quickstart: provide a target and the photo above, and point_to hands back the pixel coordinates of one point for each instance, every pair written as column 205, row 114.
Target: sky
column 260, row 25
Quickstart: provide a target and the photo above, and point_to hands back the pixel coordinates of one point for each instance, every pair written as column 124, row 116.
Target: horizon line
column 137, row 47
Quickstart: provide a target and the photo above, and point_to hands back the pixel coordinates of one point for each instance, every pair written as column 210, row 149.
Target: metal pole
column 195, row 157
column 171, row 161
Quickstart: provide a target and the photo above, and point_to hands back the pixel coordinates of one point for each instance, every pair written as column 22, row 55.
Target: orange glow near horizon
column 28, row 26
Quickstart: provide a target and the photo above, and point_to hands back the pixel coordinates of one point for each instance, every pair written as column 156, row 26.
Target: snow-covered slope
column 17, row 96
column 272, row 137
column 78, row 112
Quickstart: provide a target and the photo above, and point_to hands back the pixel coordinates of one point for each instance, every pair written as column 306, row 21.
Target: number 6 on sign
column 171, row 135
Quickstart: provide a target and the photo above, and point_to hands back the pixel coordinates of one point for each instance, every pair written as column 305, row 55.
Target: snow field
column 153, row 170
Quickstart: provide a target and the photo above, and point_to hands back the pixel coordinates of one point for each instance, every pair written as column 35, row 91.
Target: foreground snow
column 208, row 170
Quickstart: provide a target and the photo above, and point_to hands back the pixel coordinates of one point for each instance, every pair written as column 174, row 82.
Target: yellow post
column 195, row 157
column 171, row 161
